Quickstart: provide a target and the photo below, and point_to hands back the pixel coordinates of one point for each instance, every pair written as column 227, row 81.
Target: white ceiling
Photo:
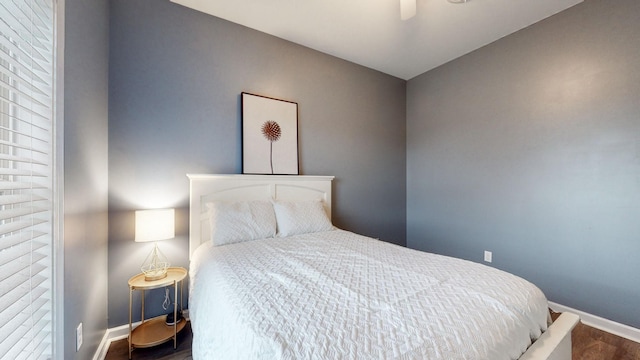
column 370, row 32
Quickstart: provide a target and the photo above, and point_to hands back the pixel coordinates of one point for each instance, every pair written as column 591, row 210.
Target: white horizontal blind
column 26, row 178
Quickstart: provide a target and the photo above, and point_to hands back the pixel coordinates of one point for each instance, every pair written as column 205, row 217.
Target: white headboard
column 207, row 188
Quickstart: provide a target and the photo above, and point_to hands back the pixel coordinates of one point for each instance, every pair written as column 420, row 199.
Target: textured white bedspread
column 339, row 295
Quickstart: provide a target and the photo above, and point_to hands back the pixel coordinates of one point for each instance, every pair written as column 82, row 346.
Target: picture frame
column 269, row 135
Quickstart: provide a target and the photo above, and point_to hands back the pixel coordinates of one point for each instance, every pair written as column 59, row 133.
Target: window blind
column 26, row 178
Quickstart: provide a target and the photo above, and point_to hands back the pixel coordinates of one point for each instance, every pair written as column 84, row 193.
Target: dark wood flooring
column 588, row 344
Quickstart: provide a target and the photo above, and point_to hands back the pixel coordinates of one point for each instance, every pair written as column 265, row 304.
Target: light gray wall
column 85, row 174
column 175, row 80
column 530, row 148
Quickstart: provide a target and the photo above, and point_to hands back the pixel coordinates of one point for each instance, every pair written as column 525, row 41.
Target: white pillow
column 301, row 217
column 233, row 222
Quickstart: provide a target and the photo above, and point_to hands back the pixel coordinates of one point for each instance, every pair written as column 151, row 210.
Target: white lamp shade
column 153, row 225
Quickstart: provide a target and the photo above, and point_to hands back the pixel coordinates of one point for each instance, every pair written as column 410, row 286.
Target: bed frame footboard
column 555, row 343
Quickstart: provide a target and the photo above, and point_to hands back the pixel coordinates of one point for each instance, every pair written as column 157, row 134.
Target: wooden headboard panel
column 207, row 188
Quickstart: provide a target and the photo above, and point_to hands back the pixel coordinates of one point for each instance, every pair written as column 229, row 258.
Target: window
column 27, row 37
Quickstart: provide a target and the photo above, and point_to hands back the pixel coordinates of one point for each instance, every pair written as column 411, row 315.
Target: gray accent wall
column 85, row 174
column 175, row 78
column 530, row 148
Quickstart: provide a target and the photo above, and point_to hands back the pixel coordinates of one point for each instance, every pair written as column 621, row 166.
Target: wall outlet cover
column 79, row 337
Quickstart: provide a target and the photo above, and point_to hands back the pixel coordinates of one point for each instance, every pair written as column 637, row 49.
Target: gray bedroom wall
column 530, row 148
column 175, row 81
column 85, row 177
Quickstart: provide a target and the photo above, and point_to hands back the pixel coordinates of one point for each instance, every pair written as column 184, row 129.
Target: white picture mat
column 256, row 148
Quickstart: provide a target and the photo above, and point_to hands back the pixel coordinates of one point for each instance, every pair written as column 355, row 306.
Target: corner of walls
column 174, row 108
column 85, row 174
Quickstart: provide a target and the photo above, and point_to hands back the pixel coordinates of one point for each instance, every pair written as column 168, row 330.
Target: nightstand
column 155, row 331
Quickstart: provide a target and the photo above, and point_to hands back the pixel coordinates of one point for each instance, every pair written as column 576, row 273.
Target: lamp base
column 155, row 266
column 157, row 276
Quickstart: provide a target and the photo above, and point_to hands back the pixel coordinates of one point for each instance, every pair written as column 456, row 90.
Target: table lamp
column 154, row 225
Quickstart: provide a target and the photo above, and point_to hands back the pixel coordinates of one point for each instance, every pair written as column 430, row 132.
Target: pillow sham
column 233, row 222
column 301, row 217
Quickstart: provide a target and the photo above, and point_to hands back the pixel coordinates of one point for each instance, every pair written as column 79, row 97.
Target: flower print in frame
column 269, row 135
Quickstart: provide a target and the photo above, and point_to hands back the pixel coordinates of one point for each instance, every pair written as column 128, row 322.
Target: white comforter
column 339, row 295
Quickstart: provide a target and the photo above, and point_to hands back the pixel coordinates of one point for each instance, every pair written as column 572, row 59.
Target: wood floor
column 588, row 344
column 593, row 344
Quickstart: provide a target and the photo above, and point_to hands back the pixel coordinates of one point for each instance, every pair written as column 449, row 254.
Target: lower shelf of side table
column 153, row 332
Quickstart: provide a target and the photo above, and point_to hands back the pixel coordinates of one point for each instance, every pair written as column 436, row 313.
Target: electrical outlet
column 488, row 256
column 78, row 337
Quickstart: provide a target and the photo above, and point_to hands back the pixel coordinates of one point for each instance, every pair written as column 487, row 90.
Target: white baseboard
column 101, row 353
column 597, row 322
column 111, row 335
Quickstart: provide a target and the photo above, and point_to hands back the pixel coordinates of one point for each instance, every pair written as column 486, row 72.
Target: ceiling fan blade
column 407, row 9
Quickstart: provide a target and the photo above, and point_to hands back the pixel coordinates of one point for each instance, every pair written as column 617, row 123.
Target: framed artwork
column 269, row 135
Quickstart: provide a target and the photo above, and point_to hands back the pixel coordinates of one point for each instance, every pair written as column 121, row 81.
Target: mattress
column 339, row 295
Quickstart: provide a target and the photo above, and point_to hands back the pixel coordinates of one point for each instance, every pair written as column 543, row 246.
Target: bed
column 273, row 279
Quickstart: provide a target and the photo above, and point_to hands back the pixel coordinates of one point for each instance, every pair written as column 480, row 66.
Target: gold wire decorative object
column 155, row 265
